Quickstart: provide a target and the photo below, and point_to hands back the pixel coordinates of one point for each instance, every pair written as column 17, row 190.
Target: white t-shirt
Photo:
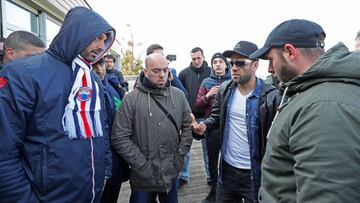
column 237, row 152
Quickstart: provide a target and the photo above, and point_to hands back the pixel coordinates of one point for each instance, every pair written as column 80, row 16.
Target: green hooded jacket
column 313, row 151
column 146, row 138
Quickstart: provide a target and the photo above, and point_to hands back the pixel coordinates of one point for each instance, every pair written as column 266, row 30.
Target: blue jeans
column 206, row 158
column 146, row 197
column 235, row 186
column 185, row 172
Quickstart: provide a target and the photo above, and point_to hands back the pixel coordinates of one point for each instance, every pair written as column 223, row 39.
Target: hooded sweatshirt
column 313, row 151
column 38, row 160
column 206, row 104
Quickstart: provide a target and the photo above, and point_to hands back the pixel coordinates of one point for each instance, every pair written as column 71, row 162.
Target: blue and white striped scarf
column 81, row 119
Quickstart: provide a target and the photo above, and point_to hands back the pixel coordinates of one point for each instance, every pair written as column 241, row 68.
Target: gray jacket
column 148, row 140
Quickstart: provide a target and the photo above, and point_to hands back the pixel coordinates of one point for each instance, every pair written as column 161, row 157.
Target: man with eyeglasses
column 110, row 61
column 243, row 111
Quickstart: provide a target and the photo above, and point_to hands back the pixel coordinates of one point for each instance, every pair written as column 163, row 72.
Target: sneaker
column 210, row 198
column 181, row 182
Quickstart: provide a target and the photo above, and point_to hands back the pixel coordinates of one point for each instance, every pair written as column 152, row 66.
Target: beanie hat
column 219, row 55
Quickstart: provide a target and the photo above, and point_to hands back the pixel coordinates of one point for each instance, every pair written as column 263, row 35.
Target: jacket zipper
column 93, row 170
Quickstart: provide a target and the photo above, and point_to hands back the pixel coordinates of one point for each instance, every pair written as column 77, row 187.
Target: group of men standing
column 58, row 120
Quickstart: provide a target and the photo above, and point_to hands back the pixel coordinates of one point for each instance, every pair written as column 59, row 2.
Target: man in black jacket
column 243, row 110
column 192, row 77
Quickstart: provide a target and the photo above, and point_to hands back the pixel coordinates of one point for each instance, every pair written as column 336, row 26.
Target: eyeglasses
column 240, row 63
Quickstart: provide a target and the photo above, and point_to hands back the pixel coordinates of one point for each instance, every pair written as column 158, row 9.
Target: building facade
column 41, row 17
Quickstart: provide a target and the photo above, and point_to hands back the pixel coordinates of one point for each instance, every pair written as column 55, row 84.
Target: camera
column 171, row 57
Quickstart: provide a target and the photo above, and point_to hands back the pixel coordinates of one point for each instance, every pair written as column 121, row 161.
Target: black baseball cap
column 298, row 32
column 243, row 48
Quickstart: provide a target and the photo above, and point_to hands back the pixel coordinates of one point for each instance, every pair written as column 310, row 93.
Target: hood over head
column 81, row 26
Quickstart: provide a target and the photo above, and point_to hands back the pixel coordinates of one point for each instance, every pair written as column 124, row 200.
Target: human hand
column 213, row 91
column 198, row 128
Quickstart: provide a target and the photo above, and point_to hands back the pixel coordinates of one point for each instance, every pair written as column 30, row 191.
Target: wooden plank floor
column 193, row 192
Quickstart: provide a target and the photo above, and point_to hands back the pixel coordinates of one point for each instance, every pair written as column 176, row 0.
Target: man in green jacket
column 151, row 131
column 313, row 151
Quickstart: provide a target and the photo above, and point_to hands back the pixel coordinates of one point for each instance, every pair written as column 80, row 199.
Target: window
column 18, row 18
column 52, row 28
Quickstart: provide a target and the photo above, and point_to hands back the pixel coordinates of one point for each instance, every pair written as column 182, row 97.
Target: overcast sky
column 216, row 25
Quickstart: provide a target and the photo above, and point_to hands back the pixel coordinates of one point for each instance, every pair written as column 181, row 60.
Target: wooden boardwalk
column 193, row 192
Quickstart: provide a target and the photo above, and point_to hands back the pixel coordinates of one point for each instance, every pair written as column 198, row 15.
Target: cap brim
column 260, row 53
column 229, row 53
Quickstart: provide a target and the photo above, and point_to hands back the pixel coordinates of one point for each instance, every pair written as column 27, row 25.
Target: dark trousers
column 146, row 197
column 236, row 185
column 213, row 147
column 111, row 192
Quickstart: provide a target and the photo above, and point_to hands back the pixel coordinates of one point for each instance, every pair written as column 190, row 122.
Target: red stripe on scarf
column 82, row 111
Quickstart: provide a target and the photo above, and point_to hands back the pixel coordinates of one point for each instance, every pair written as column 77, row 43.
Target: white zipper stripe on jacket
column 93, row 170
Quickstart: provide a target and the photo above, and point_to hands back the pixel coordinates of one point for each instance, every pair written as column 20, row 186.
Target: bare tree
column 130, row 62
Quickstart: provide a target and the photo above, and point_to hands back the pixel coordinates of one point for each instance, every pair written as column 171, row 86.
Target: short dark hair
column 110, row 56
column 311, row 53
column 18, row 40
column 196, row 49
column 99, row 62
column 152, row 48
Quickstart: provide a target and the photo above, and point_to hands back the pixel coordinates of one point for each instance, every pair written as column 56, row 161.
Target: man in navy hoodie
column 52, row 132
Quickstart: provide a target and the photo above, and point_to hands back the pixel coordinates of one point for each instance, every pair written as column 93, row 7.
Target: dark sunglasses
column 240, row 63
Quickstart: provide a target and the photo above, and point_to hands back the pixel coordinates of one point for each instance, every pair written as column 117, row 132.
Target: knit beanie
column 219, row 55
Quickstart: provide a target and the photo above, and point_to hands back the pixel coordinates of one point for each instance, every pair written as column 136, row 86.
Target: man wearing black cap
column 243, row 111
column 313, row 151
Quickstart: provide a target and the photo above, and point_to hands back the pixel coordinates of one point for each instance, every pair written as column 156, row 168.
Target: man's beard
column 285, row 74
column 243, row 79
